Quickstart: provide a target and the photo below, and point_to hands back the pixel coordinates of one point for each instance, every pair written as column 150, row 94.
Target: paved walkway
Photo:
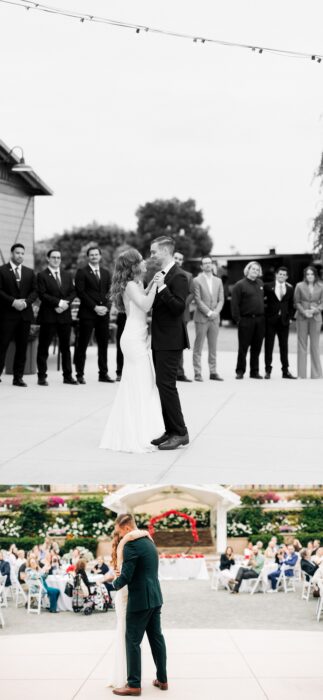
column 246, row 432
column 244, row 664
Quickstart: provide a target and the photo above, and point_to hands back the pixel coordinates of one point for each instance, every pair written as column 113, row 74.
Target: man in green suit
column 140, row 574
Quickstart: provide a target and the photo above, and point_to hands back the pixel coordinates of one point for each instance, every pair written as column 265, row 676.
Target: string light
column 81, row 17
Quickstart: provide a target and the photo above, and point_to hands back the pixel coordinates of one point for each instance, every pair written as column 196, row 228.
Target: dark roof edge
column 35, row 182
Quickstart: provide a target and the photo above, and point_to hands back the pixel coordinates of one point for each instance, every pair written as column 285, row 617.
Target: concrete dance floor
column 244, row 664
column 242, row 432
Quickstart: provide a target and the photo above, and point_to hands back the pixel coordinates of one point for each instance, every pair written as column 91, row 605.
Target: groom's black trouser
column 166, row 366
column 137, row 623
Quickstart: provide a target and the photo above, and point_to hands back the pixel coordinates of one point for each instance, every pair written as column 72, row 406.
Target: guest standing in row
column 309, row 304
column 92, row 284
column 209, row 299
column 279, row 310
column 247, row 306
column 56, row 292
column 17, row 294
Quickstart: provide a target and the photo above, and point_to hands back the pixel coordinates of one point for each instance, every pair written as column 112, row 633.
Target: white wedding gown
column 118, row 677
column 135, row 417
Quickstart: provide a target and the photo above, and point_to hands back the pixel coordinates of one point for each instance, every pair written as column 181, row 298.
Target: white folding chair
column 34, row 598
column 19, row 594
column 260, row 582
column 319, row 609
column 307, row 586
column 217, row 579
column 287, row 583
column 4, row 599
column 1, row 604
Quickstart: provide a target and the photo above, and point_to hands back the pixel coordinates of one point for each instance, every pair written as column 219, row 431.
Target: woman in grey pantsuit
column 308, row 298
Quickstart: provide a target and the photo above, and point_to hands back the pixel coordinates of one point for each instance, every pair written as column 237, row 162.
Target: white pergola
column 214, row 496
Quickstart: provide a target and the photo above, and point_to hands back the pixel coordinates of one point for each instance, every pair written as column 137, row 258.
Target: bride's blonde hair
column 114, row 557
column 127, row 268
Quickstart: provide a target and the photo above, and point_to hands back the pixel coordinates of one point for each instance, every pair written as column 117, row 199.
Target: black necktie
column 17, row 276
column 57, row 279
column 97, row 274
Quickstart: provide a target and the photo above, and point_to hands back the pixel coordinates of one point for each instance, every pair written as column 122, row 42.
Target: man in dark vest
column 140, row 574
column 56, row 292
column 92, row 284
column 18, row 291
column 279, row 310
column 168, row 340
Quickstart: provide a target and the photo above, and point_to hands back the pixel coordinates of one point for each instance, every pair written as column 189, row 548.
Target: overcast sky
column 110, row 119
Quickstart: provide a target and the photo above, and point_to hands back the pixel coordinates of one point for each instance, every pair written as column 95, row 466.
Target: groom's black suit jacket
column 140, row 574
column 168, row 329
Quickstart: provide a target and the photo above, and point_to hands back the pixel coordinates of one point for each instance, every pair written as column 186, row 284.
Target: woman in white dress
column 135, row 417
column 119, row 666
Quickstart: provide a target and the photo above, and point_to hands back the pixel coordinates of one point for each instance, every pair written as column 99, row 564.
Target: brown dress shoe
column 160, row 685
column 127, row 690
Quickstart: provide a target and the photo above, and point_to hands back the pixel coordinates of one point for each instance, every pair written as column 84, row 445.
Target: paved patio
column 244, row 664
column 246, row 432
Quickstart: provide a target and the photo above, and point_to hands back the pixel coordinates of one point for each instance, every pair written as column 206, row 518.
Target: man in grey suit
column 209, row 299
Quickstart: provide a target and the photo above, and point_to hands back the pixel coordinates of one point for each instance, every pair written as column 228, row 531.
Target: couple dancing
column 138, row 604
column 146, row 412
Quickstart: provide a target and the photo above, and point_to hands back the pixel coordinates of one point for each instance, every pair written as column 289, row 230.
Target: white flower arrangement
column 236, row 529
column 9, row 528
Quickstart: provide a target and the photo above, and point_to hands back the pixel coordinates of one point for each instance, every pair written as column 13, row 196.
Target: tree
column 180, row 220
column 74, row 244
column 317, row 228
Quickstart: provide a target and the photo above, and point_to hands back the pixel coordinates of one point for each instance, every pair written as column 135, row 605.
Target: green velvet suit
column 140, row 574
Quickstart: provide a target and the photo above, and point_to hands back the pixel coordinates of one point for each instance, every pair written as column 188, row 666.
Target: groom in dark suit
column 140, row 574
column 168, row 340
column 18, row 291
column 279, row 310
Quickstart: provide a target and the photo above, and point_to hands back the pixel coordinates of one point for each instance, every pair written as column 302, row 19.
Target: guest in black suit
column 169, row 338
column 18, row 291
column 56, row 292
column 92, row 285
column 279, row 310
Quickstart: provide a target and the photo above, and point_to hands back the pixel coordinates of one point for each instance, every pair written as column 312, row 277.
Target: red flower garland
column 190, row 519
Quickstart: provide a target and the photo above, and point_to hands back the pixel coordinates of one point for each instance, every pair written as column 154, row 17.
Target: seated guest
column 316, row 546
column 271, row 550
column 21, row 566
column 255, row 564
column 248, row 551
column 307, row 565
column 297, row 545
column 102, row 568
column 33, row 573
column 13, row 553
column 227, row 559
column 5, row 569
column 260, row 546
column 288, row 561
column 81, row 577
column 76, row 555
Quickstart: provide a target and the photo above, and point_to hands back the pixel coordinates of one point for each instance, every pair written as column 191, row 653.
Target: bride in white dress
column 119, row 665
column 135, row 417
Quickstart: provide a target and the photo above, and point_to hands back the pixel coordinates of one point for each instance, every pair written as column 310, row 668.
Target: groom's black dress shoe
column 160, row 685
column 182, row 378
column 127, row 690
column 106, row 378
column 19, row 382
column 288, row 375
column 162, row 438
column 174, row 442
